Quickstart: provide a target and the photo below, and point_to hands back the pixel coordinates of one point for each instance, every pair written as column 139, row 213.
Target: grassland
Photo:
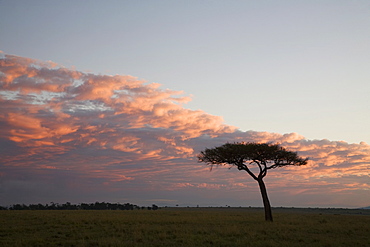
column 184, row 227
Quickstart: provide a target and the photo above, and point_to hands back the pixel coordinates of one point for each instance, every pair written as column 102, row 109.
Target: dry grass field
column 185, row 227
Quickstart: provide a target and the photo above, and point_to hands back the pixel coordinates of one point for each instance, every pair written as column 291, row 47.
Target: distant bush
column 81, row 206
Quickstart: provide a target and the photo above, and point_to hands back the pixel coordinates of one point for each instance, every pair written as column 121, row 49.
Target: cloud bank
column 70, row 135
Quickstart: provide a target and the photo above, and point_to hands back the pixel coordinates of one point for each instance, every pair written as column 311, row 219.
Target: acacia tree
column 244, row 156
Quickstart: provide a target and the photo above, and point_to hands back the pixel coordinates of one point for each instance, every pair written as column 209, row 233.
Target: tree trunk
column 266, row 202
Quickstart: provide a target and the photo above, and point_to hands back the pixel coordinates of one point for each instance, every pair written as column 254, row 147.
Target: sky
column 112, row 100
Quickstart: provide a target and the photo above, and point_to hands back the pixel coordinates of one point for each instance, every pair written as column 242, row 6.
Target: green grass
column 182, row 227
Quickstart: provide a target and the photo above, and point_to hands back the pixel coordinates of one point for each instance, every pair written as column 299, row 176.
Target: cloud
column 118, row 134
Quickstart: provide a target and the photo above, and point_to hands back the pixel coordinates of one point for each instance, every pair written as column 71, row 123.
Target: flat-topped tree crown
column 241, row 154
column 245, row 154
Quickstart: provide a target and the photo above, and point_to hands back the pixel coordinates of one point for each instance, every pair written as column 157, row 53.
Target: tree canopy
column 265, row 155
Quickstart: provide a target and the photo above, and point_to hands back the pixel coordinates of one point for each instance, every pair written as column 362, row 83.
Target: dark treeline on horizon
column 81, row 206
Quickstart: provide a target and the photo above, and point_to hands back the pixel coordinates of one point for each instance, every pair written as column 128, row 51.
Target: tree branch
column 263, row 171
column 242, row 166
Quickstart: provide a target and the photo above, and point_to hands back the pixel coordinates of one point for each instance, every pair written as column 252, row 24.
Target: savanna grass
column 181, row 227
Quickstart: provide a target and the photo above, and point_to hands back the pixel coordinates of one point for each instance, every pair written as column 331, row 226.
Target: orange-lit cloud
column 117, row 133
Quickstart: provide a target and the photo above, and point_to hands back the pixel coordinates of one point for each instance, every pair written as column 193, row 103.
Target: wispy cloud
column 101, row 135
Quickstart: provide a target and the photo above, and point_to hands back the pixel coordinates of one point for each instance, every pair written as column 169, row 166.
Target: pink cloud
column 120, row 130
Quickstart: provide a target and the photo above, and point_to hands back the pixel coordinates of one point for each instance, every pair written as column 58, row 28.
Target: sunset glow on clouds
column 68, row 135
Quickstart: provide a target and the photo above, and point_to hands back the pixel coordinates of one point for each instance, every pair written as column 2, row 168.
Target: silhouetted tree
column 244, row 156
